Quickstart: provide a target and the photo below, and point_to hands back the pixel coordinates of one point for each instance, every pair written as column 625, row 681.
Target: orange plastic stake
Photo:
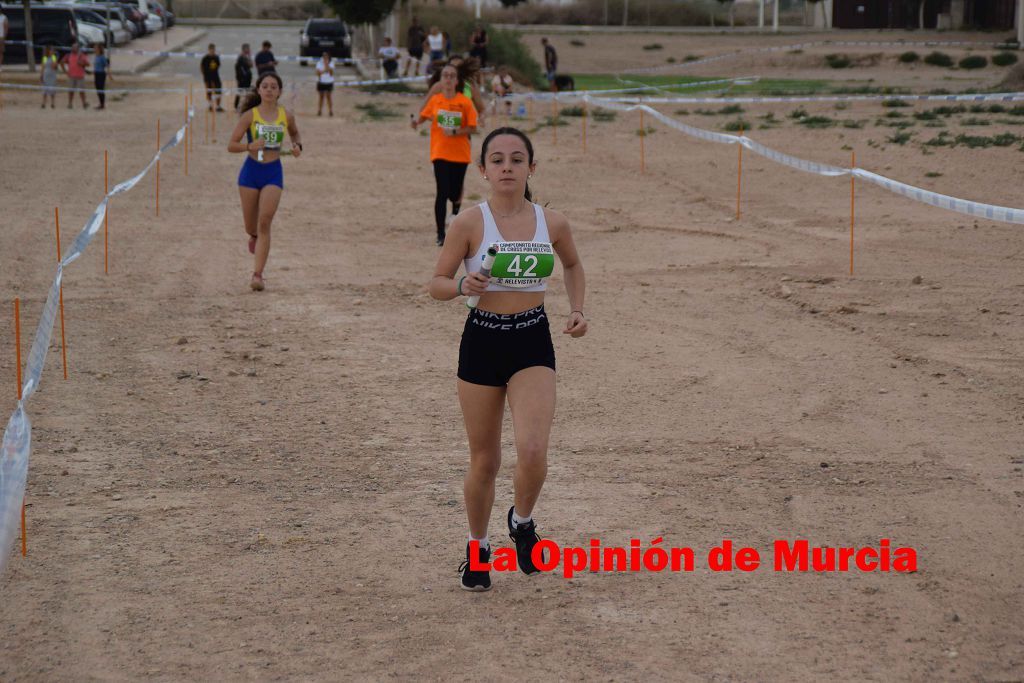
column 63, row 340
column 158, row 169
column 853, row 165
column 17, row 345
column 739, row 176
column 186, row 137
column 213, row 126
column 106, row 214
column 554, row 121
column 584, row 126
column 643, row 134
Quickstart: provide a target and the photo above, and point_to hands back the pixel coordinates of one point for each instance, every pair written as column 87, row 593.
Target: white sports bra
column 519, row 266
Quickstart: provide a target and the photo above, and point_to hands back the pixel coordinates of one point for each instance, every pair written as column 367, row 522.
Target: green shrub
column 603, row 115
column 571, row 111
column 850, row 123
column 972, row 121
column 932, row 174
column 671, row 60
column 1004, row 59
column 899, row 138
column 653, row 46
column 909, row 57
column 372, row 112
column 839, row 106
column 682, row 112
column 996, row 109
column 927, row 115
column 973, row 62
column 895, row 115
column 816, row 121
column 644, row 132
column 938, row 59
column 895, row 103
column 691, row 58
column 731, row 109
column 577, row 43
column 956, row 109
column 798, row 113
column 1016, row 111
column 736, row 125
column 837, row 61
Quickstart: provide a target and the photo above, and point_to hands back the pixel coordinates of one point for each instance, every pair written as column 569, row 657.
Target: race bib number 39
column 449, row 119
column 273, row 134
column 523, row 264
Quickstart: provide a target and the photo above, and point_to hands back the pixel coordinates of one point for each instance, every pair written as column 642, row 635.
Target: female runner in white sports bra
column 506, row 351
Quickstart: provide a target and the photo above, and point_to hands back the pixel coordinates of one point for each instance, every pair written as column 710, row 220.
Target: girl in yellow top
column 263, row 123
column 453, row 120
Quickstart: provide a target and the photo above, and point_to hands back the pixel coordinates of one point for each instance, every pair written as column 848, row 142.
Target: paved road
column 229, row 39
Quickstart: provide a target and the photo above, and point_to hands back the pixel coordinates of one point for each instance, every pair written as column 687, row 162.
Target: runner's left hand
column 296, row 150
column 576, row 326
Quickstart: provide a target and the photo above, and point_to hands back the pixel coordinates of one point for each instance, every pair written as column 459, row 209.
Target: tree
column 361, row 11
column 30, row 50
column 824, row 12
column 514, row 4
column 732, row 12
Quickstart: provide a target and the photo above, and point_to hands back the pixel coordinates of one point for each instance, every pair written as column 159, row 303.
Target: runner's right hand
column 475, row 284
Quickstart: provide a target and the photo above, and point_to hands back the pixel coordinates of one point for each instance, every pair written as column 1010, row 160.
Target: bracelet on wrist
column 460, row 285
column 577, row 311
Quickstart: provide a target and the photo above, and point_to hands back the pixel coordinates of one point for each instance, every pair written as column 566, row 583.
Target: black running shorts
column 496, row 346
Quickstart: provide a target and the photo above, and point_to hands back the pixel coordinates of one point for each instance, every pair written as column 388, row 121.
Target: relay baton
column 485, row 270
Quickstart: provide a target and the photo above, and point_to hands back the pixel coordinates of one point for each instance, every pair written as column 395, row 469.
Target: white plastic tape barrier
column 223, row 91
column 978, row 209
column 18, row 433
column 966, row 97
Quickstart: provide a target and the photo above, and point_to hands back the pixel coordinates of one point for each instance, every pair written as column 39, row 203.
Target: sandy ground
column 239, row 486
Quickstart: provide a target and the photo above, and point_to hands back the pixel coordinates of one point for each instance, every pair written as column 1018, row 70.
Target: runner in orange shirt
column 453, row 120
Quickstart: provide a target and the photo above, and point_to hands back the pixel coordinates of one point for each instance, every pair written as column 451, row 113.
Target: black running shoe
column 440, row 240
column 475, row 580
column 525, row 536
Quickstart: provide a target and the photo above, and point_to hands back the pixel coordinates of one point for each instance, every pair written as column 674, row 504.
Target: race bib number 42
column 449, row 119
column 523, row 264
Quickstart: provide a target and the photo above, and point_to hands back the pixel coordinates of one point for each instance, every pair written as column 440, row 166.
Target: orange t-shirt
column 457, row 112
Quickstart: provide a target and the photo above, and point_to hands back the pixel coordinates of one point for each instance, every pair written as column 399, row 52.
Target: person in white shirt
column 501, row 86
column 389, row 58
column 325, row 83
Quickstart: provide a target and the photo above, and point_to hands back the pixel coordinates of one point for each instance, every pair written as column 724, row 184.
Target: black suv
column 319, row 35
column 50, row 26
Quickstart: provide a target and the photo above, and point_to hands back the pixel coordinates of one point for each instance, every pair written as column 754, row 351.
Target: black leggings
column 101, row 87
column 449, row 176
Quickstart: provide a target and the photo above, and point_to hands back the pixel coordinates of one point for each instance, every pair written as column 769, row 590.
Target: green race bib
column 523, row 264
column 449, row 119
column 272, row 133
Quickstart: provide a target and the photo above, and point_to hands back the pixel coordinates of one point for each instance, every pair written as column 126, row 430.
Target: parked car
column 325, row 34
column 162, row 12
column 152, row 21
column 119, row 15
column 115, row 33
column 50, row 26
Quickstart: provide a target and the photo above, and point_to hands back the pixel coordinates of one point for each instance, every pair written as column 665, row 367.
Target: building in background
column 931, row 14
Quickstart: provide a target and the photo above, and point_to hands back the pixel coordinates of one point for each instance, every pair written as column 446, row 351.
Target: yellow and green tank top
column 271, row 131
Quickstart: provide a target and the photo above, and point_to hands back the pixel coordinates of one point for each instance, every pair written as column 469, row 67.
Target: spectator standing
column 414, row 43
column 435, row 44
column 389, row 58
column 478, row 45
column 48, row 77
column 243, row 73
column 325, row 83
column 265, row 60
column 550, row 62
column 210, row 67
column 100, row 69
column 74, row 64
column 501, row 86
